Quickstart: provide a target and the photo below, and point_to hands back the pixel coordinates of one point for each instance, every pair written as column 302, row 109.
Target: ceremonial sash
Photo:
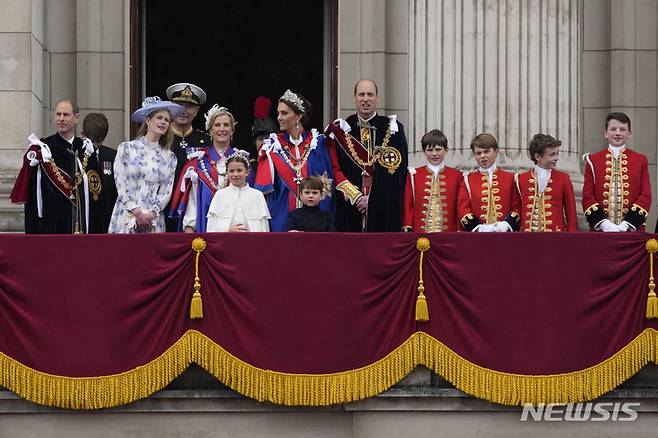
column 58, row 178
column 359, row 149
column 213, row 176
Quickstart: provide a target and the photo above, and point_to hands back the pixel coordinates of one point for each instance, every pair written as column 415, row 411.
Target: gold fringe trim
column 517, row 389
column 305, row 389
column 327, row 389
column 96, row 392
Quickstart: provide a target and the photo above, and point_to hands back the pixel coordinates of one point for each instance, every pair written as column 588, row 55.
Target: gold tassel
column 652, row 305
column 422, row 311
column 652, row 300
column 196, row 306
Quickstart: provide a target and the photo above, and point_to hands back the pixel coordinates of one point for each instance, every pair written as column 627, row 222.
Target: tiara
column 294, row 99
column 216, row 109
column 239, row 153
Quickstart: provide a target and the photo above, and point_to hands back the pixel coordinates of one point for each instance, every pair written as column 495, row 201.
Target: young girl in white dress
column 238, row 207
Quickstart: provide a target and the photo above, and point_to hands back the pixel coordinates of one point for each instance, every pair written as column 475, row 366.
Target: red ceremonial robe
column 430, row 204
column 553, row 210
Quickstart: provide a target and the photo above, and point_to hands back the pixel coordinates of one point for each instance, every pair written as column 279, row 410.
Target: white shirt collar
column 540, row 172
column 542, row 175
column 436, row 168
column 616, row 150
column 369, row 118
column 70, row 140
column 489, row 171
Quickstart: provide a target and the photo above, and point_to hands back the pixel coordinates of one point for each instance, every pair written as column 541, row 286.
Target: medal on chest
column 95, row 184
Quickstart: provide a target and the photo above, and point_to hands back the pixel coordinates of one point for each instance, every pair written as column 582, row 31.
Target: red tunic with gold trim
column 552, row 210
column 482, row 203
column 616, row 189
column 430, row 204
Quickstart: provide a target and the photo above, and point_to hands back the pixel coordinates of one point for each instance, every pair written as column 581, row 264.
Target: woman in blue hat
column 144, row 170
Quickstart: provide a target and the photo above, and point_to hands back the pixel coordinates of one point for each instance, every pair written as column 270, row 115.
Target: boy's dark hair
column 539, row 143
column 95, row 127
column 312, row 183
column 621, row 117
column 484, row 141
column 434, row 138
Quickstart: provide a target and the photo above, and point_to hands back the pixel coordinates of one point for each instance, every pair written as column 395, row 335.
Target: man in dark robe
column 44, row 184
column 372, row 154
column 186, row 138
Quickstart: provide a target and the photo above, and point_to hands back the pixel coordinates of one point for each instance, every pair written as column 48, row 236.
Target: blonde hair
column 167, row 138
column 222, row 111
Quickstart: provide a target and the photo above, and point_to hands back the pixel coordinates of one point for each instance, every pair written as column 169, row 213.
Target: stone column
column 374, row 43
column 22, row 94
column 508, row 67
column 21, row 85
column 99, row 62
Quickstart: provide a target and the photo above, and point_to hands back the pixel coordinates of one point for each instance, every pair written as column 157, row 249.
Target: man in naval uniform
column 372, row 154
column 186, row 138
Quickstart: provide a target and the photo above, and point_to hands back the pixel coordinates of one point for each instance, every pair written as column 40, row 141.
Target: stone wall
column 56, row 49
column 619, row 74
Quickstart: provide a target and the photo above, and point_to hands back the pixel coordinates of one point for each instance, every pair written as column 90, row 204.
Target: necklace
column 214, row 184
column 298, row 164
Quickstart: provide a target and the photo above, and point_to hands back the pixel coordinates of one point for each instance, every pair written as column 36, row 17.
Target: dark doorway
column 237, row 51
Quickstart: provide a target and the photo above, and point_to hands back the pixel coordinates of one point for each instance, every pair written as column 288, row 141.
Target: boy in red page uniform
column 616, row 191
column 430, row 199
column 488, row 199
column 547, row 199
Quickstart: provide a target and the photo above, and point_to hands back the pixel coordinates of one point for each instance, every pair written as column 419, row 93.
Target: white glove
column 501, row 227
column 484, row 228
column 625, row 226
column 608, row 227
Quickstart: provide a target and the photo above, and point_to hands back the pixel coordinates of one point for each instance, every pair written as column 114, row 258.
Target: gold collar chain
column 377, row 150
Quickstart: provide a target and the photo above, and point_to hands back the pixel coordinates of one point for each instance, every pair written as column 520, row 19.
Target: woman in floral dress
column 144, row 170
